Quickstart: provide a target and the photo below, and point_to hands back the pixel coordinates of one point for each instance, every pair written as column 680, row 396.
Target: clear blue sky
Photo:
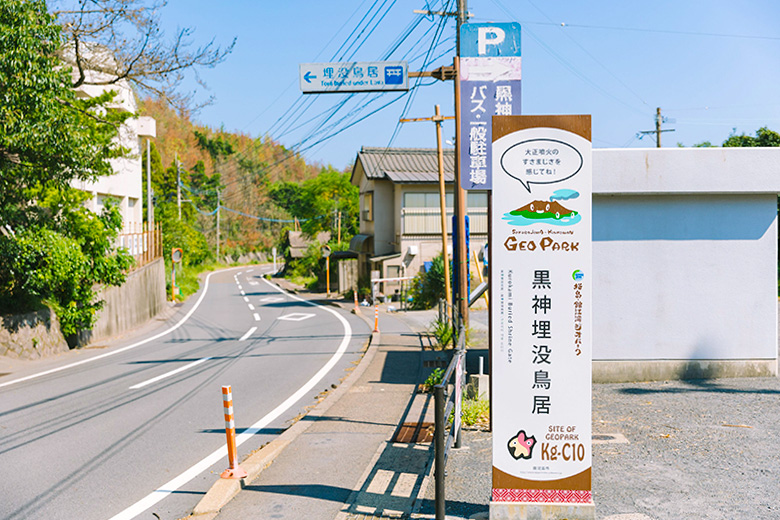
column 710, row 65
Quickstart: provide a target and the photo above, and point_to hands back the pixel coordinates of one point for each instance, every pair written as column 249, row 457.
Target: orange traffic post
column 356, row 303
column 376, row 317
column 234, row 471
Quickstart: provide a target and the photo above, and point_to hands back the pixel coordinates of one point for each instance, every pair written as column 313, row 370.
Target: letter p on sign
column 489, row 36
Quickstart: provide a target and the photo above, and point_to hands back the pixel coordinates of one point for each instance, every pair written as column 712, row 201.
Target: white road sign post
column 541, row 317
column 361, row 76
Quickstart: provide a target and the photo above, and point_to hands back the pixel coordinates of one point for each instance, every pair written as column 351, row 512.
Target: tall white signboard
column 541, row 280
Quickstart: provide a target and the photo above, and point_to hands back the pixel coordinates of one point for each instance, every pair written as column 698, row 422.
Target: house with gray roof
column 400, row 215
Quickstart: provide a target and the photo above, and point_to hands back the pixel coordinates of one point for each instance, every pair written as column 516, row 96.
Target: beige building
column 126, row 183
column 400, row 216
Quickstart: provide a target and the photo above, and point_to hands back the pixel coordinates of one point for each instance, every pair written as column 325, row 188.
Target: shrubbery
column 428, row 287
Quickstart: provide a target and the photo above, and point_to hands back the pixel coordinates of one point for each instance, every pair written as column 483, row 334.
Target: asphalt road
column 136, row 429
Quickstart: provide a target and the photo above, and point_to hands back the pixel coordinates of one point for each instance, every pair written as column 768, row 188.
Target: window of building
column 476, row 199
column 368, row 206
column 425, row 200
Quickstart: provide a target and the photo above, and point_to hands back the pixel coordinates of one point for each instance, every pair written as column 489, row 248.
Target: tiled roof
column 406, row 165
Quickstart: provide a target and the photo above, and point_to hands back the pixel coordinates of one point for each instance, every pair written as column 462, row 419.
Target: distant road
column 136, row 431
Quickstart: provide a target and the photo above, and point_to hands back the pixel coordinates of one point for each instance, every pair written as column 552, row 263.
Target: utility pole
column 178, row 185
column 219, row 206
column 461, row 263
column 657, row 131
column 438, row 118
column 149, row 208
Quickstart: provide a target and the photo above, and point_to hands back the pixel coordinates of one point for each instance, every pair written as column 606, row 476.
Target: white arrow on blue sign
column 367, row 76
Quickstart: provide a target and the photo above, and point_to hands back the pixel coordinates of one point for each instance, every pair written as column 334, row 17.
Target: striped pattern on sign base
column 543, row 496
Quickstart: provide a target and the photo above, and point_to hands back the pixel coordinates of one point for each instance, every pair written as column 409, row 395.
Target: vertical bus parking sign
column 541, row 316
column 489, row 76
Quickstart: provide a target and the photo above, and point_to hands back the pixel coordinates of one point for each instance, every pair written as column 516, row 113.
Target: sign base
column 538, row 511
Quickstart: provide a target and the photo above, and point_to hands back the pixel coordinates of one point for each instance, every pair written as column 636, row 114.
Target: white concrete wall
column 680, row 277
column 685, row 254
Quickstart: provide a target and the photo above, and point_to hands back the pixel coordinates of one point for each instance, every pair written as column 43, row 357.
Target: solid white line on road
column 251, row 307
column 123, row 349
column 257, row 317
column 248, row 333
column 172, row 372
column 179, row 481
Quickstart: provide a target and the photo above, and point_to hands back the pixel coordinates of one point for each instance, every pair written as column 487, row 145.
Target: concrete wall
column 140, row 299
column 685, row 263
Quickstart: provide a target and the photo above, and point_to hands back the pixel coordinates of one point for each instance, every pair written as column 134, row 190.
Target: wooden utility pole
column 657, row 131
column 438, row 118
column 149, row 208
column 178, row 185
column 219, row 206
column 461, row 255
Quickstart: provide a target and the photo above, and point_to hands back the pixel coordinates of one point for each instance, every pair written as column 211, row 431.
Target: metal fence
column 448, row 398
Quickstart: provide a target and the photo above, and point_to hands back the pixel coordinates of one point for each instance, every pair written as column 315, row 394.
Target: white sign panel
column 541, row 280
column 374, row 76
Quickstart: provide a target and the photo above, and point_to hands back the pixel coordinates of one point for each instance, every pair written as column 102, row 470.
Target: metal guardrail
column 446, row 400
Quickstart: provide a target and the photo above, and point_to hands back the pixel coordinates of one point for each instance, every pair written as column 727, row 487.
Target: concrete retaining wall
column 138, row 300
column 31, row 336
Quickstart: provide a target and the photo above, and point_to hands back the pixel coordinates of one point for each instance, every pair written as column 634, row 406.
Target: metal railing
column 448, row 399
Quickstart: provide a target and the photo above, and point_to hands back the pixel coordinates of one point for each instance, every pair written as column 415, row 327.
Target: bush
column 428, row 287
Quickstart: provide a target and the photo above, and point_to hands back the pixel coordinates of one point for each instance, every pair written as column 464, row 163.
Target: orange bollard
column 356, row 303
column 234, row 471
column 376, row 317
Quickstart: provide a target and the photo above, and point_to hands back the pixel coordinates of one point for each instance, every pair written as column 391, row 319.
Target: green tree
column 52, row 249
column 764, row 137
column 48, row 137
column 317, row 201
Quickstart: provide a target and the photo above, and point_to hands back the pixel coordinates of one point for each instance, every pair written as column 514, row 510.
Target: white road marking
column 250, row 270
column 257, row 317
column 270, row 299
column 220, row 454
column 243, row 293
column 246, row 299
column 296, row 316
column 123, row 349
column 251, row 307
column 254, row 283
column 248, row 333
column 172, row 372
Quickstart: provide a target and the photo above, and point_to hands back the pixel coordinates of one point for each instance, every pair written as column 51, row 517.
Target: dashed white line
column 167, row 374
column 257, row 317
column 251, row 307
column 246, row 299
column 243, row 293
column 248, row 333
column 177, row 482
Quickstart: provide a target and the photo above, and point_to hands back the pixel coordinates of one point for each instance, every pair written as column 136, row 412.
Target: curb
column 224, row 490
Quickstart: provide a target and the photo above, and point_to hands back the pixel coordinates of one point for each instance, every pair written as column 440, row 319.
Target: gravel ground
column 696, row 449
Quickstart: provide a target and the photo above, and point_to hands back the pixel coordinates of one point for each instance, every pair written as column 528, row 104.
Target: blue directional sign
column 373, row 76
column 489, row 78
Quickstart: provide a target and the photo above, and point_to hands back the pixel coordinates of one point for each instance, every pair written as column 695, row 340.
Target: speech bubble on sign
column 541, row 161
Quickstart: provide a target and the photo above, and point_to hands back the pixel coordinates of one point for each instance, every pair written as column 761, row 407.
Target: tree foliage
column 317, row 201
column 53, row 250
column 764, row 137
